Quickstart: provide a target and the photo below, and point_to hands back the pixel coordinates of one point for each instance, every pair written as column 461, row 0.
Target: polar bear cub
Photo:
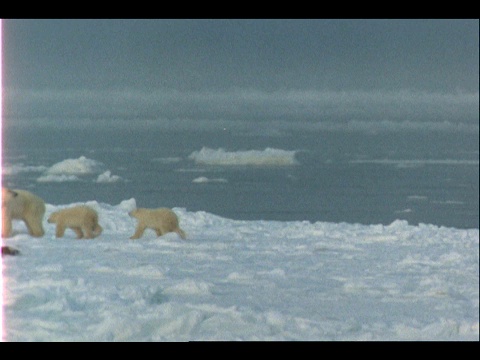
column 81, row 219
column 25, row 206
column 161, row 220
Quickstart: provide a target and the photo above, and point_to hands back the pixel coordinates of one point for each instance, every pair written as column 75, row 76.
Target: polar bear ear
column 10, row 192
column 13, row 193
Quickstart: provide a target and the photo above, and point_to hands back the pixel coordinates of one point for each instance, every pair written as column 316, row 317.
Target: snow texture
column 242, row 280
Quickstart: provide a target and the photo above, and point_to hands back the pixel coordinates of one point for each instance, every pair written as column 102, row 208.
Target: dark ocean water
column 363, row 178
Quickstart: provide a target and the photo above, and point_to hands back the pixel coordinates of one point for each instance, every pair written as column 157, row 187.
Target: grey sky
column 234, row 69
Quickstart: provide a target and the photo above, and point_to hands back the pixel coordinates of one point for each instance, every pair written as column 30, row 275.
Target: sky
column 331, row 70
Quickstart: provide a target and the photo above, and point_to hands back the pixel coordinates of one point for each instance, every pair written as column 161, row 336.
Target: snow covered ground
column 242, row 280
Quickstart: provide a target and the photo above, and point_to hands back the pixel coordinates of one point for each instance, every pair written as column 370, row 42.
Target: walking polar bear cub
column 81, row 219
column 161, row 220
column 25, row 206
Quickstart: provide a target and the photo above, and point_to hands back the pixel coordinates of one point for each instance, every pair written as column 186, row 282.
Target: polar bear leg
column 181, row 233
column 159, row 232
column 97, row 230
column 60, row 231
column 88, row 232
column 33, row 216
column 6, row 226
column 35, row 227
column 78, row 231
column 138, row 232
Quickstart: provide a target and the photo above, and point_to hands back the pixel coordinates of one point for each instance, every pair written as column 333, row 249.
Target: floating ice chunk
column 79, row 166
column 404, row 211
column 203, row 180
column 107, row 177
column 267, row 157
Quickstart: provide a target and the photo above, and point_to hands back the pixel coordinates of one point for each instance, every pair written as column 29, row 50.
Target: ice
column 204, row 179
column 68, row 170
column 267, row 157
column 417, row 198
column 107, row 177
column 242, row 280
column 79, row 166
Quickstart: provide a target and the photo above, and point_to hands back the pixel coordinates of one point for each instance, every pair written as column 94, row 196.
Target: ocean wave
column 267, row 157
column 57, row 178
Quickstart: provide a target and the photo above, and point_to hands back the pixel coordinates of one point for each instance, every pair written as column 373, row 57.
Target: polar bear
column 77, row 218
column 25, row 206
column 161, row 220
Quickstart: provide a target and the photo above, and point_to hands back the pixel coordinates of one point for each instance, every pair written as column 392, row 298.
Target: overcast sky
column 243, row 68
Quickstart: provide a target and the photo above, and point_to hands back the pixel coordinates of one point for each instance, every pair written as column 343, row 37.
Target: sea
column 429, row 177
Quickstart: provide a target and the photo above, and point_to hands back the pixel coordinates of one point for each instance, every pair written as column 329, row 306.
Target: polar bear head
column 135, row 213
column 7, row 195
column 52, row 218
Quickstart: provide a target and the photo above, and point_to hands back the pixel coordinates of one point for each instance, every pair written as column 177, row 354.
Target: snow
column 242, row 280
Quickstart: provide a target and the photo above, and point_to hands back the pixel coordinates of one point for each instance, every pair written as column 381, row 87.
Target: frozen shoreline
column 243, row 280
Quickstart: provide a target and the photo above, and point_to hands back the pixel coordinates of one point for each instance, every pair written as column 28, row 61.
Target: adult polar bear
column 25, row 206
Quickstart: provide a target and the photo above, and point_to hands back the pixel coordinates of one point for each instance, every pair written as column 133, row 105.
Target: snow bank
column 242, row 280
column 267, row 157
